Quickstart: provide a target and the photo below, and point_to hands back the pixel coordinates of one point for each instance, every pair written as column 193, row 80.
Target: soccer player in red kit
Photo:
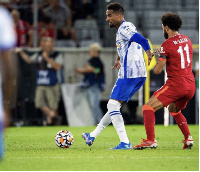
column 176, row 52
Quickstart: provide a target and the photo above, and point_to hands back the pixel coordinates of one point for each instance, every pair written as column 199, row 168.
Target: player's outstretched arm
column 145, row 45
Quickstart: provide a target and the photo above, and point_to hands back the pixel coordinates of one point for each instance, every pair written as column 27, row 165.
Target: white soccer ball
column 64, row 139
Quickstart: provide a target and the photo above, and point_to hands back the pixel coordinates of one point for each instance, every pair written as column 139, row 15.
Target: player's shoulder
column 166, row 43
column 5, row 16
column 127, row 24
column 127, row 27
column 4, row 12
column 180, row 38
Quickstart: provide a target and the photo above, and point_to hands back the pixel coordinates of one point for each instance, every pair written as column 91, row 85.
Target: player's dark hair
column 172, row 20
column 116, row 7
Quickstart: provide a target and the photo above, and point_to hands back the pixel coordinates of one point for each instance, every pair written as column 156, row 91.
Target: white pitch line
column 100, row 157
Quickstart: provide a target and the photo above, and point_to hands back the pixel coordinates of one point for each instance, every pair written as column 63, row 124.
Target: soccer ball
column 64, row 139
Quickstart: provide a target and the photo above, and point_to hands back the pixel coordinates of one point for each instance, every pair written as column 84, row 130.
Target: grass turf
column 33, row 148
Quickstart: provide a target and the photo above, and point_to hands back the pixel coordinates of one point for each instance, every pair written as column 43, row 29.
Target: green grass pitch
column 33, row 148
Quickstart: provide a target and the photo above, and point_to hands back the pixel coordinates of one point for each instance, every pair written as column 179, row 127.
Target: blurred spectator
column 45, row 29
column 44, row 4
column 87, row 10
column 62, row 19
column 48, row 63
column 21, row 28
column 28, row 13
column 94, row 80
column 197, row 92
column 75, row 9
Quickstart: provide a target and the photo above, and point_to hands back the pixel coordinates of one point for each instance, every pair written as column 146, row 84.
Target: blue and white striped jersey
column 130, row 53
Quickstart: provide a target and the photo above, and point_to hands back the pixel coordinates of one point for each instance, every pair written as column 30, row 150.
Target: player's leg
column 180, row 119
column 104, row 122
column 149, row 122
column 128, row 88
column 182, row 123
column 113, row 114
column 90, row 137
column 118, row 122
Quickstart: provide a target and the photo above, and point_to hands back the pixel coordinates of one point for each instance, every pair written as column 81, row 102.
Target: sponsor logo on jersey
column 162, row 50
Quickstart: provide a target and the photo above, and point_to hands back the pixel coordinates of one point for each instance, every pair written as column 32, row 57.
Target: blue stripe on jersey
column 116, row 114
column 113, row 112
column 125, row 61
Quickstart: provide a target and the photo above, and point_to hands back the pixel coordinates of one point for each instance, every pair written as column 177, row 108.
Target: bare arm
column 86, row 69
column 159, row 66
column 9, row 81
column 160, row 63
column 23, row 55
column 55, row 65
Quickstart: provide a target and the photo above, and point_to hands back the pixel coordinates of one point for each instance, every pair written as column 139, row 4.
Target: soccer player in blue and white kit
column 8, row 70
column 131, row 76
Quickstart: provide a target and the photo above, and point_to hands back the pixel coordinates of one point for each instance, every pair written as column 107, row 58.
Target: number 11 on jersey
column 180, row 50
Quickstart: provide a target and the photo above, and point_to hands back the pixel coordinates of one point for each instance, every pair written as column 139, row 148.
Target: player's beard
column 165, row 34
column 112, row 25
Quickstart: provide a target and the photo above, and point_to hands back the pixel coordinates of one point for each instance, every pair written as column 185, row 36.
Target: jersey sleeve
column 128, row 30
column 7, row 32
column 164, row 51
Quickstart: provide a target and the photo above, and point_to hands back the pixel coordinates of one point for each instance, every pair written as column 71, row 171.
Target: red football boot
column 188, row 143
column 146, row 144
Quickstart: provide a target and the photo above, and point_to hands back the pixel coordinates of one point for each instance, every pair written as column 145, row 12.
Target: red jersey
column 178, row 52
column 180, row 86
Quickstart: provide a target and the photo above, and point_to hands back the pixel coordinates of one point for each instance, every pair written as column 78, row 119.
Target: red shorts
column 176, row 92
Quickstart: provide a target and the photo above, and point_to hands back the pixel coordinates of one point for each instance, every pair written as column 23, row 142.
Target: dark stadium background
column 144, row 14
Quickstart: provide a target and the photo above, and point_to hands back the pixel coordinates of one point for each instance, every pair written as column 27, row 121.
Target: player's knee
column 147, row 107
column 113, row 105
column 172, row 108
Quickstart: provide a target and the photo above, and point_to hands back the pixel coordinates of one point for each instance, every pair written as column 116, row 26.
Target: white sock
column 117, row 120
column 105, row 121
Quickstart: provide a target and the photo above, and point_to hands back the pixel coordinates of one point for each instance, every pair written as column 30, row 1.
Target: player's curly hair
column 172, row 20
column 116, row 7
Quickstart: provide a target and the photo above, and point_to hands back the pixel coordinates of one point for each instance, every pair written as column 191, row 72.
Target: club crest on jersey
column 162, row 50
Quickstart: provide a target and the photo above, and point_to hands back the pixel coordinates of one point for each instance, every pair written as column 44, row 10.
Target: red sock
column 149, row 121
column 182, row 123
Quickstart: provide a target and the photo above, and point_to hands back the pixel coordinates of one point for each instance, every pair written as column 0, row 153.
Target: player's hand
column 150, row 56
column 158, row 50
column 117, row 65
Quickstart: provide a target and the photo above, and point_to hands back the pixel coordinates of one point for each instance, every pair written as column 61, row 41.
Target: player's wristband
column 163, row 58
column 140, row 40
